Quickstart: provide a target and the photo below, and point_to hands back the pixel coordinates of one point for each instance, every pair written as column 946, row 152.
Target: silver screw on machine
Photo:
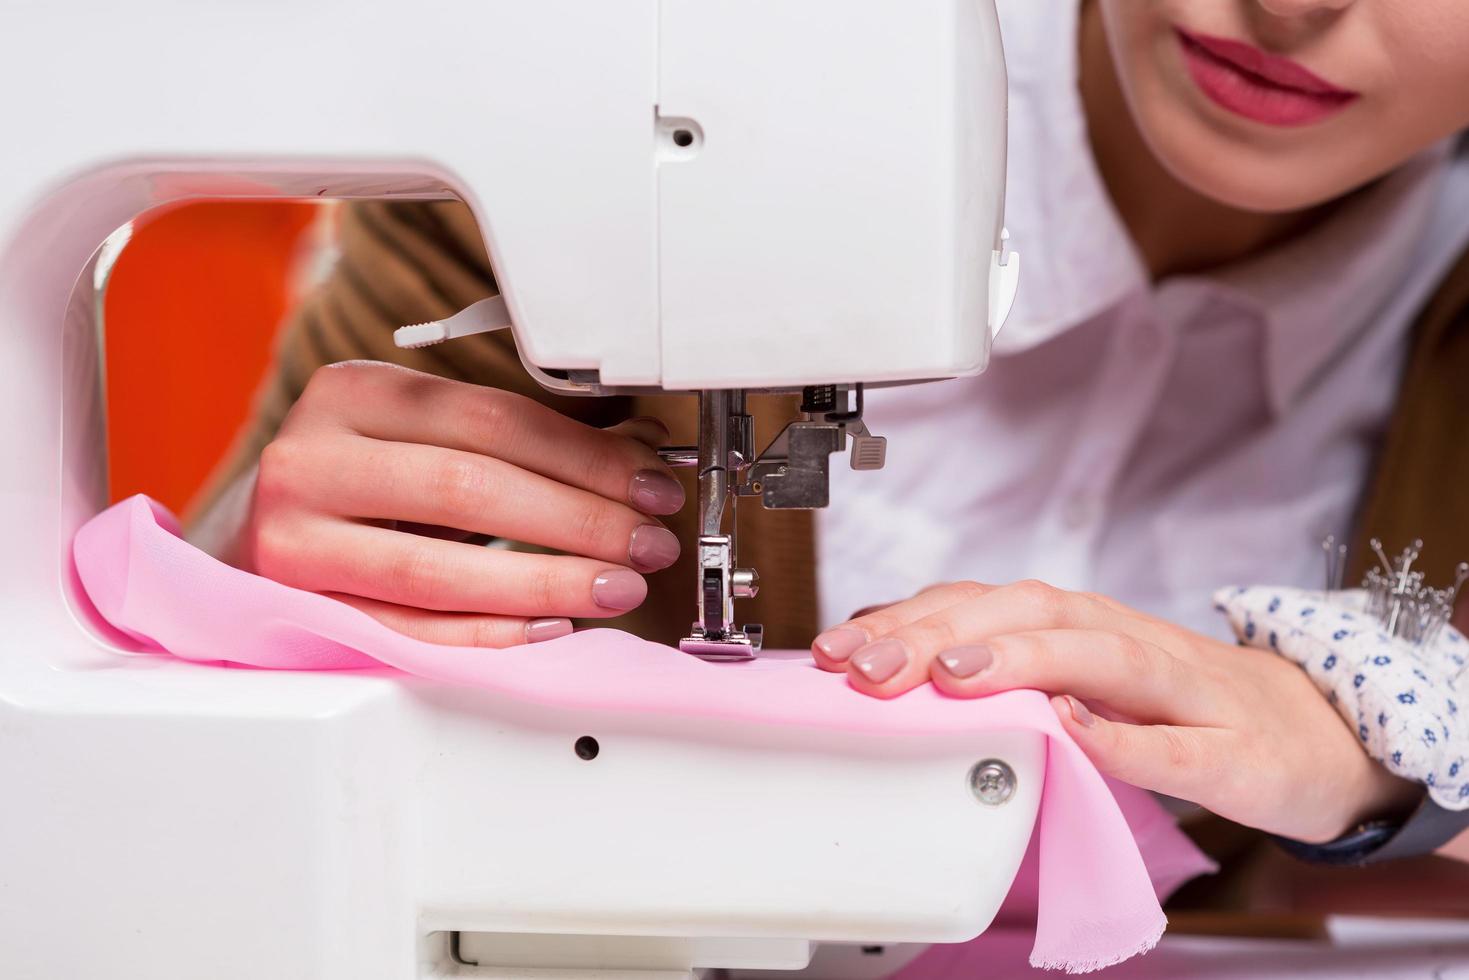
column 992, row 782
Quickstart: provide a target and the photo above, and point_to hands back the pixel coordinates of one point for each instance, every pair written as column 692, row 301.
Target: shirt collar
column 1316, row 292
column 1077, row 257
column 1313, row 294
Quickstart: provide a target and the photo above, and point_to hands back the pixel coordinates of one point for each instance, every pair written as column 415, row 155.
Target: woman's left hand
column 1239, row 731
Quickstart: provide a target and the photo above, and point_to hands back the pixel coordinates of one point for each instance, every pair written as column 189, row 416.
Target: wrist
column 1385, row 796
column 1376, row 796
column 222, row 530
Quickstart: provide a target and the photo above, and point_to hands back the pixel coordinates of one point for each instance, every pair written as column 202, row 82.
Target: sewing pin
column 1329, row 546
column 1376, row 545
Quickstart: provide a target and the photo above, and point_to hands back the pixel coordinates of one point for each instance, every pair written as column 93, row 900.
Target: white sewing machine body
column 165, row 819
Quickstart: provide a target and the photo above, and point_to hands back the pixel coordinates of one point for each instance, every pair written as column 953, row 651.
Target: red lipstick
column 1257, row 85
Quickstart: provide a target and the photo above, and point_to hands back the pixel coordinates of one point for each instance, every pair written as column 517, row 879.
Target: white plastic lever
column 1004, row 281
column 483, row 317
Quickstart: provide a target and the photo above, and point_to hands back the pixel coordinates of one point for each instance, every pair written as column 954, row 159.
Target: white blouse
column 1151, row 442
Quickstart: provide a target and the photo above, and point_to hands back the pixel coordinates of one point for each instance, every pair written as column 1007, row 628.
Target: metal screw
column 744, row 583
column 992, row 782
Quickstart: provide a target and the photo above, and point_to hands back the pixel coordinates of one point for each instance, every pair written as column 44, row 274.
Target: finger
column 374, row 480
column 833, row 648
column 649, row 431
column 459, row 629
column 1129, row 675
column 1190, row 763
column 934, row 585
column 424, row 573
column 398, row 405
column 902, row 659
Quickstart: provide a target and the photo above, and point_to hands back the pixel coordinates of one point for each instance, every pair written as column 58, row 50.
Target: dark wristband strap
column 1423, row 831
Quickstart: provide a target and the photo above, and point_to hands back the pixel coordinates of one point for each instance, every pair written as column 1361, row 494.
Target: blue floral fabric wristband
column 1402, row 699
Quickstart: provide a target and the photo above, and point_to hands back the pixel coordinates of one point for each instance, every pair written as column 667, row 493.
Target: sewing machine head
column 702, row 197
column 814, row 218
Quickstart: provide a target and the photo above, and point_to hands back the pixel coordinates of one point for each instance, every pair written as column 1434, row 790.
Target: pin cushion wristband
column 1386, row 657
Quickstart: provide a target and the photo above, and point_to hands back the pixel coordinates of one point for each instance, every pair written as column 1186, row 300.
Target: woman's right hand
column 370, row 449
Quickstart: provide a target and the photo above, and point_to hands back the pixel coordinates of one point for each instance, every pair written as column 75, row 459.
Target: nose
column 1289, row 22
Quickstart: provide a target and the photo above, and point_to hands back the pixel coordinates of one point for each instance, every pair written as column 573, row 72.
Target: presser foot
column 733, row 645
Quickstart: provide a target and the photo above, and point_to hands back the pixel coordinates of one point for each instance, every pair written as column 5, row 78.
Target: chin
column 1242, row 175
column 1247, row 181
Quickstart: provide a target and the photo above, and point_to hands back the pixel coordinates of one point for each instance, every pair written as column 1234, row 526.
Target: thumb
column 1171, row 759
column 645, row 429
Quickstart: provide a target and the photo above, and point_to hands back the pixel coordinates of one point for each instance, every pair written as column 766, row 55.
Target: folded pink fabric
column 1096, row 899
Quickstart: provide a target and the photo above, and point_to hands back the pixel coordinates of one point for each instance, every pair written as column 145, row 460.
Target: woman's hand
column 1239, row 731
column 371, row 450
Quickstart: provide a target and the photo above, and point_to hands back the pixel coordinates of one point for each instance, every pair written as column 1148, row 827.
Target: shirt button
column 1078, row 511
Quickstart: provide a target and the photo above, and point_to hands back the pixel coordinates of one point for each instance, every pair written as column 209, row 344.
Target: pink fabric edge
column 1097, row 904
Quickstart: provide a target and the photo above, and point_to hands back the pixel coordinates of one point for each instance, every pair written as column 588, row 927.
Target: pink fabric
column 1095, row 899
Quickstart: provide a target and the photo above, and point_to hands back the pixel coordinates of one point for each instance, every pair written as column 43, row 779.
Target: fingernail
column 962, row 662
column 652, row 547
column 655, row 493
column 1080, row 712
column 618, row 588
column 881, row 661
column 840, row 643
column 540, row 630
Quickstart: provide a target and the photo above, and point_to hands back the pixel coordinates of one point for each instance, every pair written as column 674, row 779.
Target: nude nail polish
column 655, row 493
column 881, row 661
column 652, row 547
column 618, row 588
column 840, row 643
column 1080, row 712
column 965, row 662
column 540, row 630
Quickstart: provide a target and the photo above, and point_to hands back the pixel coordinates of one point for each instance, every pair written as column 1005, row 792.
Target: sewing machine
column 693, row 195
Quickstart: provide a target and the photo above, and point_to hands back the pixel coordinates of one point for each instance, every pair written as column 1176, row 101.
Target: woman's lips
column 1259, row 86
